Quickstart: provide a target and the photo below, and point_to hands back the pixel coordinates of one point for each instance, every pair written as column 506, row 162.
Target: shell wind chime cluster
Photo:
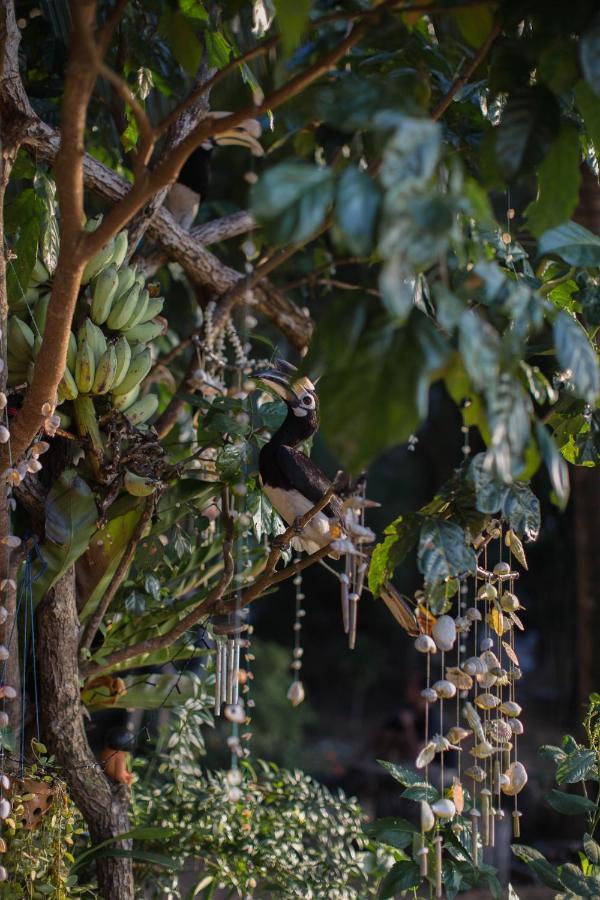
column 471, row 707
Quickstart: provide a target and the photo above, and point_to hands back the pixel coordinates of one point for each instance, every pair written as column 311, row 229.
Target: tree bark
column 104, row 805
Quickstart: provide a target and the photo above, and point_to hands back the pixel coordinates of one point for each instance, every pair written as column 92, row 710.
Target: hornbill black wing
column 307, row 478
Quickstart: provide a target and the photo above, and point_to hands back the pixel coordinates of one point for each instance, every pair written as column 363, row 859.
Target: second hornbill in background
column 294, row 483
column 185, row 196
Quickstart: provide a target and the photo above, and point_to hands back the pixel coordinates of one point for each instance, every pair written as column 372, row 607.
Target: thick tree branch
column 151, row 645
column 95, row 621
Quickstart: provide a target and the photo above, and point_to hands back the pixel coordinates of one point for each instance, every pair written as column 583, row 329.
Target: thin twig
column 462, row 80
column 94, row 623
column 147, row 134
column 152, row 645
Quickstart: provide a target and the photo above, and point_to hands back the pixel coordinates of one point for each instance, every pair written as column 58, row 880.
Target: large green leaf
column 400, row 538
column 444, row 552
column 175, row 28
column 508, row 411
column 530, row 122
column 142, row 833
column 479, row 344
column 402, row 876
column 578, row 884
column 559, row 178
column 396, row 832
column 402, row 774
column 356, row 205
column 410, row 159
column 587, row 103
column 23, row 220
column 292, row 200
column 71, row 515
column 573, row 243
column 576, row 354
column 570, row 804
column 540, row 865
column 576, row 766
column 557, row 467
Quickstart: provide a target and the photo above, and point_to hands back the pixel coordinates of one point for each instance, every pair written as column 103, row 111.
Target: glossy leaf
column 71, row 516
column 292, row 19
column 24, row 219
column 397, row 833
column 402, row 876
column 443, row 551
column 400, row 538
column 479, row 345
column 508, row 411
column 575, row 353
column 587, row 103
column 540, row 865
column 530, row 122
column 555, row 464
column 573, row 243
column 576, row 766
column 570, row 804
column 589, row 56
column 403, row 774
column 592, row 849
column 357, row 202
column 292, row 199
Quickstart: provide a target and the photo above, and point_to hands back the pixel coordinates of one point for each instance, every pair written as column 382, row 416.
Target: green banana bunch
column 139, row 367
column 144, row 333
column 124, row 401
column 39, row 273
column 139, row 312
column 72, row 352
column 94, row 337
column 106, row 370
column 140, row 411
column 138, row 485
column 85, row 366
column 113, row 252
column 67, row 388
column 123, row 354
column 124, row 308
column 105, row 289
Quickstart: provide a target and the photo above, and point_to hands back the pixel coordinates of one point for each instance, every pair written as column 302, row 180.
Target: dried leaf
column 425, row 619
column 517, row 621
column 515, row 545
column 496, row 620
column 510, row 653
column 457, row 795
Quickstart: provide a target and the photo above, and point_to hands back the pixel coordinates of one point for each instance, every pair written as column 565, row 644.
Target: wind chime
column 470, row 694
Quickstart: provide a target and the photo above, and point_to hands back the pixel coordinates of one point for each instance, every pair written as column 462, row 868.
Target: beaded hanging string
column 295, row 692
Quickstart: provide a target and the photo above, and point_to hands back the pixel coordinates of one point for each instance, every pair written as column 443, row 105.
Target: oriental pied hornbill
column 190, row 189
column 294, row 483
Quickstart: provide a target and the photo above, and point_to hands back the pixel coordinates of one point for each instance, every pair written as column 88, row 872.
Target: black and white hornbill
column 290, row 479
column 185, row 196
column 294, row 483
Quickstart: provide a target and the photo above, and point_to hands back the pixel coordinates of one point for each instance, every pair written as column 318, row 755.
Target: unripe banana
column 37, row 343
column 127, row 275
column 94, row 337
column 67, row 389
column 105, row 290
column 154, row 308
column 139, row 311
column 145, row 333
column 93, row 223
column 16, row 377
column 39, row 273
column 120, row 251
column 138, row 485
column 20, row 339
column 142, row 410
column 72, row 352
column 123, row 308
column 123, row 354
column 85, row 367
column 40, row 312
column 137, row 371
column 124, row 401
column 105, row 372
column 97, row 263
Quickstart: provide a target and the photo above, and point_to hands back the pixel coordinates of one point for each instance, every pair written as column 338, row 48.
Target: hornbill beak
column 283, row 380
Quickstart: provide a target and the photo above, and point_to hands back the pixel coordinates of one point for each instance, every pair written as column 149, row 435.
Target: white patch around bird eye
column 298, row 411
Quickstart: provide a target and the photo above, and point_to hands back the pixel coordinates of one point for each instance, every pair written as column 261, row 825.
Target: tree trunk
column 104, row 805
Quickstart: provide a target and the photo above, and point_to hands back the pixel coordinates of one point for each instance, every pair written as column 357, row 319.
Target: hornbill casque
column 294, row 483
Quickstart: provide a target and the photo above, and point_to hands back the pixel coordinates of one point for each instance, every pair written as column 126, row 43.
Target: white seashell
column 425, row 644
column 474, row 666
column 476, row 773
column 3, row 874
column 4, row 808
column 4, row 782
column 458, row 734
column 489, row 659
column 510, row 708
column 499, row 782
column 429, row 695
column 517, row 779
column 487, row 701
column 499, row 730
column 472, row 717
column 463, row 625
column 425, row 756
column 460, row 680
column 482, row 750
column 444, row 633
column 427, row 816
column 235, row 713
column 516, row 726
column 486, row 681
column 444, row 808
column 473, row 614
column 296, row 693
column 502, row 570
column 514, row 673
column 486, row 644
column 487, row 592
column 444, row 689
column 4, row 654
column 509, row 602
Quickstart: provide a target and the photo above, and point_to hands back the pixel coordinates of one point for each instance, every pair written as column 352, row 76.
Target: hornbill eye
column 307, row 401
